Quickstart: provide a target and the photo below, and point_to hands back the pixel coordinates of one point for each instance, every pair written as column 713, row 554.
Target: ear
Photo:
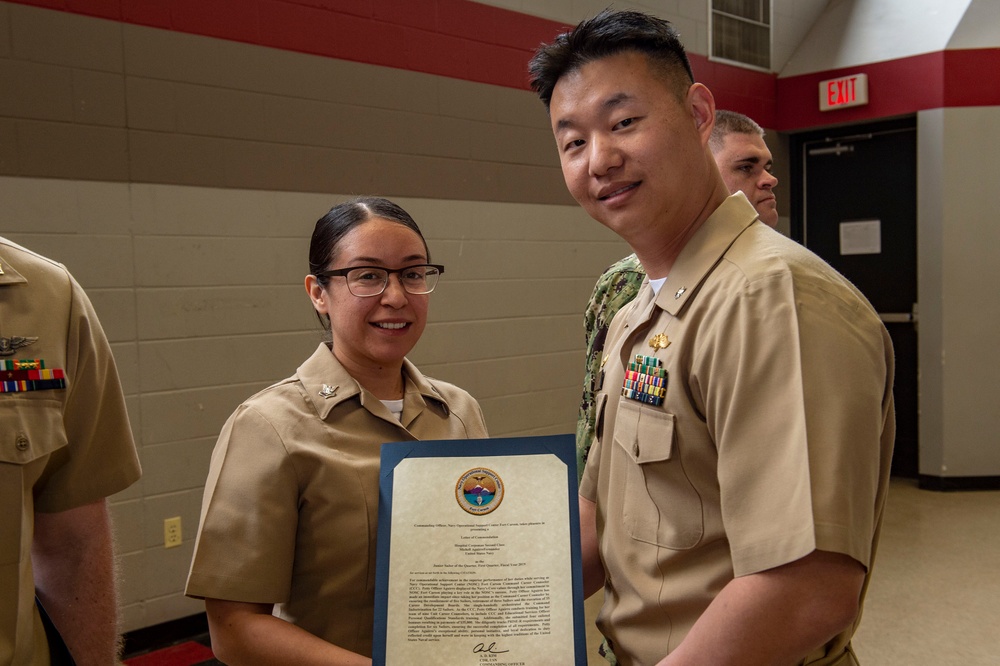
column 317, row 294
column 701, row 103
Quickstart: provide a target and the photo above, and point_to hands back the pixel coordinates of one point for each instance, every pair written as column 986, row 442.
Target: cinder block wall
column 179, row 176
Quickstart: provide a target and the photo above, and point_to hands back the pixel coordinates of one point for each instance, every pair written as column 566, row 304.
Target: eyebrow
column 752, row 159
column 375, row 261
column 610, row 103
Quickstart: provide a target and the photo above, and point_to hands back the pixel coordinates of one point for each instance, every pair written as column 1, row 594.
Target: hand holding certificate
column 478, row 554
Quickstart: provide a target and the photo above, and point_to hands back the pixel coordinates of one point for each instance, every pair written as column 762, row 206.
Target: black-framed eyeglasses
column 365, row 281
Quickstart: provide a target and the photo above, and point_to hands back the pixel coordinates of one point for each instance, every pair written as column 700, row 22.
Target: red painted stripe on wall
column 895, row 87
column 969, row 77
column 739, row 89
column 475, row 42
column 972, row 77
column 455, row 38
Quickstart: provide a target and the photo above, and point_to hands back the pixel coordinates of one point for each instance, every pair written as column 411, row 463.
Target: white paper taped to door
column 861, row 237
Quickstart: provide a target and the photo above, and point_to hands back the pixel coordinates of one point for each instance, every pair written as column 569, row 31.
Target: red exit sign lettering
column 843, row 92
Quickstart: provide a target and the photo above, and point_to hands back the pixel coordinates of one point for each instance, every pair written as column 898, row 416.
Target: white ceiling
column 855, row 32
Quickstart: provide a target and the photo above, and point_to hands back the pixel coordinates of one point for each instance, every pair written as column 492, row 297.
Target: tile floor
column 935, row 594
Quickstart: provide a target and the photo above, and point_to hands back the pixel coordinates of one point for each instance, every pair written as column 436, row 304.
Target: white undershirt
column 396, row 407
column 657, row 284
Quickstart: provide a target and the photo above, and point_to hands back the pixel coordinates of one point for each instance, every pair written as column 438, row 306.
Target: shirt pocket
column 660, row 505
column 31, row 426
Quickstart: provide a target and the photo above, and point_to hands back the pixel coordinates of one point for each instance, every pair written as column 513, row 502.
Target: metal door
column 858, row 210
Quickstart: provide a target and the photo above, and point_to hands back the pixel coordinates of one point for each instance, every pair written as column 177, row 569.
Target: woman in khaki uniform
column 285, row 556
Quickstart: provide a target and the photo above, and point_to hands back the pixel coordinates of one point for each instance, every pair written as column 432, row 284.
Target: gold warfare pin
column 659, row 341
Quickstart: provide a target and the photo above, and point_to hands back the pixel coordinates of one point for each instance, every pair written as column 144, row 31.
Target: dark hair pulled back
column 342, row 218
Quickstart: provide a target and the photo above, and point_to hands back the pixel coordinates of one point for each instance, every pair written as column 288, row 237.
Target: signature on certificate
column 487, row 649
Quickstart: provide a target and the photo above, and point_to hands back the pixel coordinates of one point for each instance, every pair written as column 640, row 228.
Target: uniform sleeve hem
column 81, row 497
column 202, row 586
column 773, row 552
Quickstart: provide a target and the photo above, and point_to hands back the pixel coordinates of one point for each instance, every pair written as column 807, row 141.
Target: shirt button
column 21, row 442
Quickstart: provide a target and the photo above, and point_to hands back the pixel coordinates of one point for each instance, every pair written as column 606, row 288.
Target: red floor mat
column 184, row 654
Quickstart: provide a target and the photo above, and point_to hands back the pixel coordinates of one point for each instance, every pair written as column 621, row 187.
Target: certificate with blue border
column 478, row 559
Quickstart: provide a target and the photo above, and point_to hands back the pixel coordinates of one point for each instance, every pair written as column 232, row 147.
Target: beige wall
column 179, row 178
column 200, row 292
column 959, row 314
column 100, row 100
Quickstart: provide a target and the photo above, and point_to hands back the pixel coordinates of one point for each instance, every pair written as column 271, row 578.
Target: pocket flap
column 645, row 432
column 30, row 427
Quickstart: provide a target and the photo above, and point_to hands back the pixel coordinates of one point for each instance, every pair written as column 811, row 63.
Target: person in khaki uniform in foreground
column 285, row 555
column 65, row 446
column 732, row 499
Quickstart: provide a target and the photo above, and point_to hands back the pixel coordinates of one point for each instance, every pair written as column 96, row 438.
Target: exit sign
column 843, row 92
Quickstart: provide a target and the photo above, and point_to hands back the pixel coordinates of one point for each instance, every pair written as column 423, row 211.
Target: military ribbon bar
column 17, row 376
column 21, row 364
column 645, row 381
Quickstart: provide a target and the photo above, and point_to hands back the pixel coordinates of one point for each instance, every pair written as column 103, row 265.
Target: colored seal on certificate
column 479, row 491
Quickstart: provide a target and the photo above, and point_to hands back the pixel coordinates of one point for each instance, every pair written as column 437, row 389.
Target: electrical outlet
column 172, row 532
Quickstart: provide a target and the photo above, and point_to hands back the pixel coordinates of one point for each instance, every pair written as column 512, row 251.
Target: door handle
column 901, row 317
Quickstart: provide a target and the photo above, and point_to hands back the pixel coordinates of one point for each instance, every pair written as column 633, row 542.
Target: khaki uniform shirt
column 774, row 438
column 291, row 503
column 60, row 448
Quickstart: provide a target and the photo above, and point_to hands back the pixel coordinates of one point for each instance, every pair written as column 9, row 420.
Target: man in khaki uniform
column 65, row 445
column 746, row 166
column 732, row 499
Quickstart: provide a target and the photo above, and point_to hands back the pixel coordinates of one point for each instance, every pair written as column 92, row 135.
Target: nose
column 604, row 156
column 394, row 295
column 767, row 181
